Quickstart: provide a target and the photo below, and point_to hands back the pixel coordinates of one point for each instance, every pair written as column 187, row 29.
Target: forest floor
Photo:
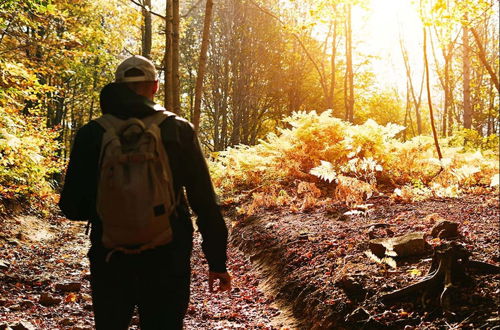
column 316, row 263
column 44, row 283
column 310, row 264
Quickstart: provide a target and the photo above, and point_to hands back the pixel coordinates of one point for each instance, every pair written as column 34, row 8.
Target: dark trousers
column 156, row 281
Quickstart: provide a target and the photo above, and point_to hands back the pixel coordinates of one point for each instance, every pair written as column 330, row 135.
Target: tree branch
column 309, row 56
column 482, row 57
column 148, row 9
column 191, row 9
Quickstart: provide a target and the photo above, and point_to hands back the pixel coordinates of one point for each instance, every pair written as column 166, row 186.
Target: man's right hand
column 224, row 281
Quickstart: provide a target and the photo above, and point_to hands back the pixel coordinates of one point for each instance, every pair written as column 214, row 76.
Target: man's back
column 156, row 280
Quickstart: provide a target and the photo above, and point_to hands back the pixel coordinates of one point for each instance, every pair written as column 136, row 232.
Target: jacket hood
column 119, row 100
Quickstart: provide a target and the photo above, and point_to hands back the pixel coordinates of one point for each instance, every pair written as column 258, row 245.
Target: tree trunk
column 447, row 89
column 466, row 78
column 95, row 78
column 176, row 95
column 416, row 101
column 331, row 95
column 225, row 106
column 346, row 105
column 408, row 120
column 484, row 61
column 202, row 64
column 349, row 70
column 147, row 30
column 167, row 59
column 447, row 119
column 429, row 98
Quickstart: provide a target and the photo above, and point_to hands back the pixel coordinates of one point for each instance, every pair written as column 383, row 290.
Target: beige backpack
column 135, row 196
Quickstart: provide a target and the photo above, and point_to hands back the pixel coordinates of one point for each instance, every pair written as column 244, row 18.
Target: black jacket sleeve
column 78, row 194
column 203, row 201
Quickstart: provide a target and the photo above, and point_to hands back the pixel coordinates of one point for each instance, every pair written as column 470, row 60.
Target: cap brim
column 132, row 79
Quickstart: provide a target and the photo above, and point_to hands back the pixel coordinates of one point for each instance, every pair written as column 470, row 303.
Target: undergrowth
column 28, row 159
column 28, row 148
column 320, row 159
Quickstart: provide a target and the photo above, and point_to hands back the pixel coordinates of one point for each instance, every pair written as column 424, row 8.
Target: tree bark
column 416, row 101
column 467, row 115
column 349, row 70
column 176, row 98
column 444, row 79
column 331, row 94
column 167, row 58
column 484, row 61
column 429, row 98
column 147, row 29
column 202, row 64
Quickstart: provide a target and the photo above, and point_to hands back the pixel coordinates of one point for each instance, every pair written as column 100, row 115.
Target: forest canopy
column 265, row 65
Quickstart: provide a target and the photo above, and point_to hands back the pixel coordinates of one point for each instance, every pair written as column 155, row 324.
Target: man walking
column 155, row 279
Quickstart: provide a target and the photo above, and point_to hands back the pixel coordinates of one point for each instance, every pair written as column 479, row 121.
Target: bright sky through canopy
column 378, row 31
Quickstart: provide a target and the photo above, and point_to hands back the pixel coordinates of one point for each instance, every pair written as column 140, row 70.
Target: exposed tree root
column 448, row 270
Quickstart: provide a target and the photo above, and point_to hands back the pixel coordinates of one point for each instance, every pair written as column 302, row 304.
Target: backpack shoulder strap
column 158, row 118
column 109, row 122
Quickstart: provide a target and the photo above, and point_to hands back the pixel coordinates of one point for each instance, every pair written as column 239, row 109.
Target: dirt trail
column 36, row 255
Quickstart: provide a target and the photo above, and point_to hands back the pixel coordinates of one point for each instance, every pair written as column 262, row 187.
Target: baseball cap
column 139, row 63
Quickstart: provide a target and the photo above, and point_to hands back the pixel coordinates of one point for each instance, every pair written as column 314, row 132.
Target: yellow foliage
column 27, row 161
column 352, row 190
column 320, row 157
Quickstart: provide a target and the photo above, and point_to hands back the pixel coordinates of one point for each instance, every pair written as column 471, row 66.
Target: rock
column 445, row 229
column 377, row 246
column 4, row 265
column 351, row 287
column 359, row 314
column 412, row 244
column 69, row 287
column 23, row 325
column 48, row 300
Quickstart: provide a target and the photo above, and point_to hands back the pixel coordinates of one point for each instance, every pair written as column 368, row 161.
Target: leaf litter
column 44, row 282
column 320, row 270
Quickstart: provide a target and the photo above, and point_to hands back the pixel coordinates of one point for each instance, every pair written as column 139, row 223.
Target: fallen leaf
column 415, row 272
column 71, row 297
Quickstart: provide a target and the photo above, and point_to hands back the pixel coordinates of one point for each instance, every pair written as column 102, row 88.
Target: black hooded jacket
column 189, row 170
